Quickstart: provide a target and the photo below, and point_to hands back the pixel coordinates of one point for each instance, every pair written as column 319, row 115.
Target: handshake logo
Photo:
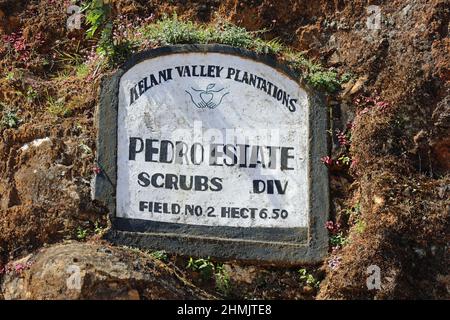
column 209, row 98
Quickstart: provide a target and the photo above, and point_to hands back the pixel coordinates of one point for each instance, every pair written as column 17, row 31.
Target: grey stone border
column 289, row 246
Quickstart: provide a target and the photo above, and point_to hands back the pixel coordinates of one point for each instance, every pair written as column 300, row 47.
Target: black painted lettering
column 285, row 156
column 218, row 71
column 181, row 152
column 197, row 153
column 201, row 183
column 171, row 181
column 214, row 154
column 133, row 147
column 133, row 95
column 216, row 184
column 184, row 184
column 144, row 179
column 259, row 186
column 150, row 150
column 280, row 188
column 155, row 180
column 231, row 72
column 141, row 87
column 292, row 103
column 164, row 151
column 143, row 205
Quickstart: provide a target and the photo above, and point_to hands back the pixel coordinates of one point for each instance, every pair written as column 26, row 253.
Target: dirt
column 399, row 178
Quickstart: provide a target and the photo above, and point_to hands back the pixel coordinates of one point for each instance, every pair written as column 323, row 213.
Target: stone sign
column 210, row 150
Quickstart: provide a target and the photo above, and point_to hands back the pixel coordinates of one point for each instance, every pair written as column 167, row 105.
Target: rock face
column 94, row 271
column 43, row 196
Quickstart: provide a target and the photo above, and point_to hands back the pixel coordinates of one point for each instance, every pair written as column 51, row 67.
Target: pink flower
column 368, row 100
column 332, row 227
column 19, row 268
column 343, row 141
column 382, row 105
column 327, row 160
column 363, row 111
column 97, row 170
column 329, row 225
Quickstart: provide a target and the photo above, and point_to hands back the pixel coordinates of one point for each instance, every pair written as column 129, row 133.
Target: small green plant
column 273, row 46
column 353, row 213
column 345, row 160
column 360, row 226
column 298, row 61
column 338, row 240
column 235, row 36
column 118, row 45
column 315, row 74
column 31, row 94
column 98, row 229
column 68, row 58
column 85, row 148
column 308, row 278
column 346, row 77
column 63, row 74
column 159, row 255
column 324, row 79
column 106, row 46
column 10, row 76
column 172, row 30
column 58, row 107
column 98, row 15
column 207, row 270
column 204, row 266
column 82, row 70
column 81, row 233
column 223, row 284
column 9, row 120
column 135, row 249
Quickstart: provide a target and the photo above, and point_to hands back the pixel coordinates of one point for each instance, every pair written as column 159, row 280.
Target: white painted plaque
column 212, row 139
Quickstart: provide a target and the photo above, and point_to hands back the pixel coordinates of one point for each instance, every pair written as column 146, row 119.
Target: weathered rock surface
column 94, row 271
column 44, row 197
